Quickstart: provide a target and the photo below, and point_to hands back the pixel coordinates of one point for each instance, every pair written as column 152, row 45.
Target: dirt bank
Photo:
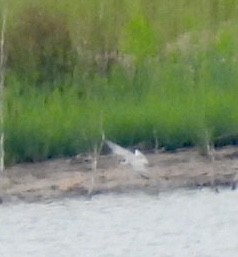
column 74, row 177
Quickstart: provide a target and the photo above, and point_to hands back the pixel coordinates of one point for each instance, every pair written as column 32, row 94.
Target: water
column 182, row 223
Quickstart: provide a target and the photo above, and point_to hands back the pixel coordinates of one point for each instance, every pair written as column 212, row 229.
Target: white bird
column 137, row 160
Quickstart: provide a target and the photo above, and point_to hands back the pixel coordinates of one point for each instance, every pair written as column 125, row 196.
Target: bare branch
column 2, row 77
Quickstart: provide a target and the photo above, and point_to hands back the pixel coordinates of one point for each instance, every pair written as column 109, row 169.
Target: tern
column 136, row 160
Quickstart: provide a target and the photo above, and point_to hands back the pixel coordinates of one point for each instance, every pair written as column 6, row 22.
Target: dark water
column 182, row 223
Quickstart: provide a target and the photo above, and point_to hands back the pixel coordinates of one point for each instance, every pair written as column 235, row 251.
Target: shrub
column 39, row 46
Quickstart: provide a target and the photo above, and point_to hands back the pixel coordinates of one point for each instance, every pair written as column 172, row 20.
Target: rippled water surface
column 182, row 223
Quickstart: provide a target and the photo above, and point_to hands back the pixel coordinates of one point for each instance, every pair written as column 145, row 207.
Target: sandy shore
column 60, row 178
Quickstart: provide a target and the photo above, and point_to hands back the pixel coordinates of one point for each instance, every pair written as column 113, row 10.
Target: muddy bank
column 74, row 177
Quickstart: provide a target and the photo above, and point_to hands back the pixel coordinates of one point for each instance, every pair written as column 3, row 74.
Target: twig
column 96, row 153
column 2, row 77
column 156, row 141
column 94, row 169
column 211, row 156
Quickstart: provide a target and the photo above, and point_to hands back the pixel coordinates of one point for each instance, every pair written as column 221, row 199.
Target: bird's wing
column 116, row 149
column 138, row 161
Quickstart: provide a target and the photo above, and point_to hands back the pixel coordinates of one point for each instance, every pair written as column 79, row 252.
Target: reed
column 140, row 66
column 2, row 78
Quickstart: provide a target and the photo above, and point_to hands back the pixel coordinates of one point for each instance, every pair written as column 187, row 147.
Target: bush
column 39, row 47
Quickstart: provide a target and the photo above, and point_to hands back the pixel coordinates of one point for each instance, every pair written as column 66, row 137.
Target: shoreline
column 62, row 178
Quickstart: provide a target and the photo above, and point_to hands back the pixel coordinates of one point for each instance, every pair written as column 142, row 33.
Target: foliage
column 134, row 69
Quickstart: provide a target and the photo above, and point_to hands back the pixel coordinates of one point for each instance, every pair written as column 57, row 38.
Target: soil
column 55, row 179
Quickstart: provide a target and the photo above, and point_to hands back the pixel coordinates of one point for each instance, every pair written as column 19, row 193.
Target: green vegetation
column 139, row 70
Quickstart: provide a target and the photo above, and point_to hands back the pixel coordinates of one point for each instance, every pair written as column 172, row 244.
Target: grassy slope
column 175, row 78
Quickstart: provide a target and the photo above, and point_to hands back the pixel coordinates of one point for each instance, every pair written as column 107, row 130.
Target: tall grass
column 134, row 69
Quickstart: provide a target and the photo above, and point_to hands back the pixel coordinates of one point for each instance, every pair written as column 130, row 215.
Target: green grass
column 134, row 69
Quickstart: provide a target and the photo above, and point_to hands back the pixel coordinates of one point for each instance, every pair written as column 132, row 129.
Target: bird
column 136, row 160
